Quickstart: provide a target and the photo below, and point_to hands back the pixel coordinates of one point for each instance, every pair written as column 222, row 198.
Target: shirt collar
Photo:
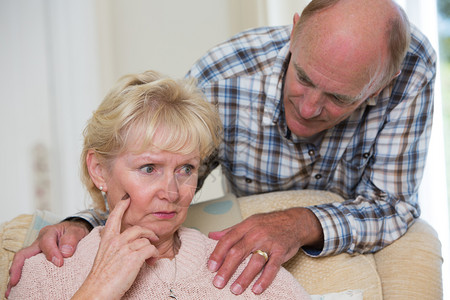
column 274, row 87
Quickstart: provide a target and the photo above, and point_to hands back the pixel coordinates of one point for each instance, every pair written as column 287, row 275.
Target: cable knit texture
column 42, row 280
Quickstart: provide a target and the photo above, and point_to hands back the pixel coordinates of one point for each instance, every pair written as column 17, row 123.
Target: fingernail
column 219, row 282
column 212, row 266
column 56, row 261
column 66, row 249
column 236, row 289
column 257, row 289
column 125, row 197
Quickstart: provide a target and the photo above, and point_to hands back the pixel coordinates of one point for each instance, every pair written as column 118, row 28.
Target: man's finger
column 71, row 237
column 254, row 267
column 48, row 243
column 217, row 235
column 268, row 275
column 228, row 239
column 17, row 264
column 232, row 259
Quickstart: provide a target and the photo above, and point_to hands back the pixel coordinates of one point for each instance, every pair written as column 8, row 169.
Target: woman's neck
column 169, row 247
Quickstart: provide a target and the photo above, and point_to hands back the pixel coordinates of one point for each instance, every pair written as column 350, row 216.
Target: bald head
column 368, row 37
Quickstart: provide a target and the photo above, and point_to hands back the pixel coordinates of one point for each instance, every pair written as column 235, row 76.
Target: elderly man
column 342, row 101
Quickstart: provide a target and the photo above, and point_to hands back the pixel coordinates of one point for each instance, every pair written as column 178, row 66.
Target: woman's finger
column 114, row 222
column 137, row 232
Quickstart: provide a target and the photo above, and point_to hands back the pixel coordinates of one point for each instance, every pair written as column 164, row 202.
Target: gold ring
column 262, row 253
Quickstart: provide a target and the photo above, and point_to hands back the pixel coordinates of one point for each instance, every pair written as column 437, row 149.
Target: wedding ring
column 262, row 253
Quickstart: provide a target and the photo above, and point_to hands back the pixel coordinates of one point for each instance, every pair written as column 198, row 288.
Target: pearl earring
column 101, row 188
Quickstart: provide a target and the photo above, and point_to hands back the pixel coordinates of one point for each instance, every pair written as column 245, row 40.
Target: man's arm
column 385, row 199
column 385, row 195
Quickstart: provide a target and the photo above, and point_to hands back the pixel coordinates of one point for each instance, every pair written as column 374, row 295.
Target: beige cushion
column 410, row 268
column 12, row 235
column 319, row 275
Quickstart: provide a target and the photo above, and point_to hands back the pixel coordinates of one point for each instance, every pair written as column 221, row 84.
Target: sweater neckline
column 189, row 260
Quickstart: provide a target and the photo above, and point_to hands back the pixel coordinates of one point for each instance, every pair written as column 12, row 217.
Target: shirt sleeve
column 91, row 216
column 386, row 201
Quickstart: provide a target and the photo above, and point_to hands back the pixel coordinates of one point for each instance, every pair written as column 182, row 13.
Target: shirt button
column 311, row 152
column 248, row 180
column 366, row 155
column 318, row 176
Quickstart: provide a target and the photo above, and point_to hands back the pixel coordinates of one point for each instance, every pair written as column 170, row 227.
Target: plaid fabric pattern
column 374, row 159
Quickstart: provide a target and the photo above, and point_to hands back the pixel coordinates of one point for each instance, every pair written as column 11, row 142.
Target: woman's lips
column 164, row 214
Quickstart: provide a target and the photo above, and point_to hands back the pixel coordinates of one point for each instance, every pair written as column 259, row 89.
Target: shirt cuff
column 336, row 231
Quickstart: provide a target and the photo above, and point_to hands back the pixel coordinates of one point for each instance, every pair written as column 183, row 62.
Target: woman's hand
column 119, row 258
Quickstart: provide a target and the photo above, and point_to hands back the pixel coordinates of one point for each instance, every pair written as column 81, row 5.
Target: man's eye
column 336, row 100
column 148, row 169
column 303, row 80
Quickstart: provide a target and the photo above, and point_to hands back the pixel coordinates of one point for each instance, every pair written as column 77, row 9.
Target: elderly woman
column 143, row 149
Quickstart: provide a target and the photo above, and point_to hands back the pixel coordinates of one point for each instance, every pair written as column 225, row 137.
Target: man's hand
column 65, row 234
column 279, row 234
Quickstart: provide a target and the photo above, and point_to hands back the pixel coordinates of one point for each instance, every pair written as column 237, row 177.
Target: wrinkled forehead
column 335, row 57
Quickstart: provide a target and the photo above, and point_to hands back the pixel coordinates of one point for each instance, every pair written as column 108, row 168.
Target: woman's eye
column 187, row 169
column 148, row 169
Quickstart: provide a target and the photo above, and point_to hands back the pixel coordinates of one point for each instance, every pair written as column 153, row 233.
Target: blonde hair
column 143, row 104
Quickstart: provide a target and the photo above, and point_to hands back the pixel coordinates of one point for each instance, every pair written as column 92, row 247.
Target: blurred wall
column 59, row 57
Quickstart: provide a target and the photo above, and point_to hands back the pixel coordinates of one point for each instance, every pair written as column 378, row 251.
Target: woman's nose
column 311, row 105
column 168, row 188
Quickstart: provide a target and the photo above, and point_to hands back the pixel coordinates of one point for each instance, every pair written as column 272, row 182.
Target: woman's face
column 160, row 184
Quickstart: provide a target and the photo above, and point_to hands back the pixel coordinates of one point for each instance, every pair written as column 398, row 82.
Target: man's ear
column 96, row 170
column 379, row 91
column 295, row 20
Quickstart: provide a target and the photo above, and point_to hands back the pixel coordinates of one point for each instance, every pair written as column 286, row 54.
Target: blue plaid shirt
column 374, row 159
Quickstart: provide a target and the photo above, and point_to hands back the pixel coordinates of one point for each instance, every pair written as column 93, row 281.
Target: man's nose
column 312, row 104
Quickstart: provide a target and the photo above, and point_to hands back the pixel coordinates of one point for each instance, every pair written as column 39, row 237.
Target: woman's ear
column 96, row 170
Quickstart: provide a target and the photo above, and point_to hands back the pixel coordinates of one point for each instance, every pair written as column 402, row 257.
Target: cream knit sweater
column 42, row 280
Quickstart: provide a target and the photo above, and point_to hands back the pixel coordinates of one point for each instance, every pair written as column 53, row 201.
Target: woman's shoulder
column 92, row 239
column 197, row 245
column 40, row 276
column 194, row 233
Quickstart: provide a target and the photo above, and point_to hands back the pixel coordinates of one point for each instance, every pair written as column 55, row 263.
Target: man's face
column 310, row 108
column 326, row 81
